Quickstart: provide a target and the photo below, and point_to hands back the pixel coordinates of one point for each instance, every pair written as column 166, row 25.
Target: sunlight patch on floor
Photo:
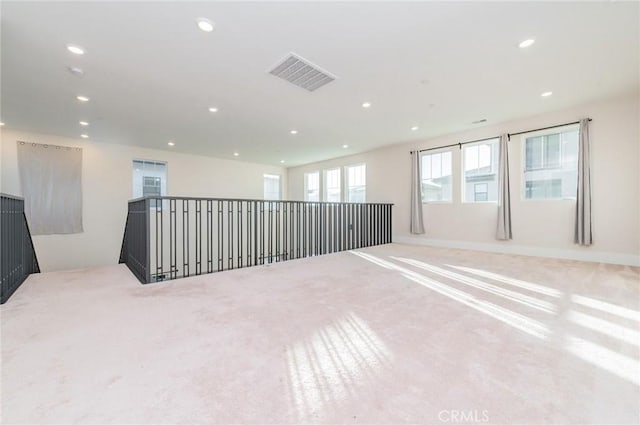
column 523, row 299
column 534, row 287
column 517, row 320
column 333, row 364
column 617, row 310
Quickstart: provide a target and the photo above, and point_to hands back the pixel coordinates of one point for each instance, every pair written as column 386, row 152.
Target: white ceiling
column 152, row 74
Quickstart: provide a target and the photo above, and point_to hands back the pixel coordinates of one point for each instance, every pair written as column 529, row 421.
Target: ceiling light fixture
column 76, row 50
column 212, row 109
column 282, row 161
column 84, row 136
column 294, row 132
column 366, row 104
column 526, row 43
column 1, row 124
column 83, row 123
column 205, row 25
column 82, row 98
column 171, row 144
column 345, row 146
column 546, row 94
column 414, row 128
column 236, row 154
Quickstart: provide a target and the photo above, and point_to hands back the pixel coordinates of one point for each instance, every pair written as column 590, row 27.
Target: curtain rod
column 458, row 144
column 545, row 128
column 508, row 134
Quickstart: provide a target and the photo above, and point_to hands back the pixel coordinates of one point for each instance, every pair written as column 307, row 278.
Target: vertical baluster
column 239, row 208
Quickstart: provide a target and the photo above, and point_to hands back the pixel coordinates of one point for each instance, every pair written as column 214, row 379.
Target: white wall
column 107, row 186
column 542, row 228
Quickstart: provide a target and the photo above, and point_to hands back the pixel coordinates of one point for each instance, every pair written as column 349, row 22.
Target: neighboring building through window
column 356, row 184
column 551, row 165
column 436, row 177
column 149, row 179
column 480, row 165
column 272, row 187
column 332, row 185
column 312, row 186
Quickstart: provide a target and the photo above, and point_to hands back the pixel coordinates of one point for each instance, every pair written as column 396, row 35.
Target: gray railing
column 17, row 255
column 172, row 237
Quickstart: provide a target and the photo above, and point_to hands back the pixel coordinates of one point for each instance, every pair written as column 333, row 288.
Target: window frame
column 325, row 186
column 270, row 175
column 305, row 186
column 431, row 152
column 345, row 173
column 496, row 142
column 523, row 161
column 166, row 172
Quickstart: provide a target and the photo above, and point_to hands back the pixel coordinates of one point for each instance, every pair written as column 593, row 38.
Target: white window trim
column 279, row 176
column 523, row 162
column 462, row 176
column 166, row 167
column 324, row 196
column 430, row 152
column 305, row 187
column 345, row 183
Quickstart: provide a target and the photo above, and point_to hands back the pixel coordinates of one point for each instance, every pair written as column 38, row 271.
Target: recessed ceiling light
column 82, row 98
column 83, row 123
column 526, row 43
column 205, row 25
column 294, row 132
column 84, row 136
column 76, row 50
column 212, row 109
column 546, row 94
column 345, row 146
column 414, row 128
column 236, row 154
column 171, row 144
column 282, row 161
column 366, row 104
column 1, row 124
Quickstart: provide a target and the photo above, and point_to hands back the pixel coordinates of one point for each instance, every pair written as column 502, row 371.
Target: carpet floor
column 388, row 334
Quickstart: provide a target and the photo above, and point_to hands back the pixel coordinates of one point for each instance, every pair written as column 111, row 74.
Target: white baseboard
column 585, row 254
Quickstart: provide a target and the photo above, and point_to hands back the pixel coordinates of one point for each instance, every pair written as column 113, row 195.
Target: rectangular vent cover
column 302, row 73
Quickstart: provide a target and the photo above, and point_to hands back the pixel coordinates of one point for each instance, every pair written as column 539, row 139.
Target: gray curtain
column 583, row 234
column 417, row 223
column 503, row 231
column 50, row 177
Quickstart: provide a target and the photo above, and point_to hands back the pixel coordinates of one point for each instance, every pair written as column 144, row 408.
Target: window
column 149, row 179
column 480, row 192
column 356, row 183
column 332, row 185
column 436, row 177
column 272, row 187
column 312, row 186
column 551, row 165
column 480, row 165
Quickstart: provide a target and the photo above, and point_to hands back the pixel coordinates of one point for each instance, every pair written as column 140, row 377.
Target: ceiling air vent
column 301, row 73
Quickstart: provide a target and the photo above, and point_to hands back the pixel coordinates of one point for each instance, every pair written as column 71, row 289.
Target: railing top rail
column 6, row 195
column 195, row 198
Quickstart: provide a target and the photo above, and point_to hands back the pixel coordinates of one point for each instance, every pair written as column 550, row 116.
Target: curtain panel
column 51, row 182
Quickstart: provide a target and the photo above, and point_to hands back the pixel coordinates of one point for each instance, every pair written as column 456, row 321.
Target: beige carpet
column 389, row 334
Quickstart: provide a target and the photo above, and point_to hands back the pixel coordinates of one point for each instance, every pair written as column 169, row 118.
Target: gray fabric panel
column 417, row 222
column 503, row 231
column 51, row 182
column 583, row 234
